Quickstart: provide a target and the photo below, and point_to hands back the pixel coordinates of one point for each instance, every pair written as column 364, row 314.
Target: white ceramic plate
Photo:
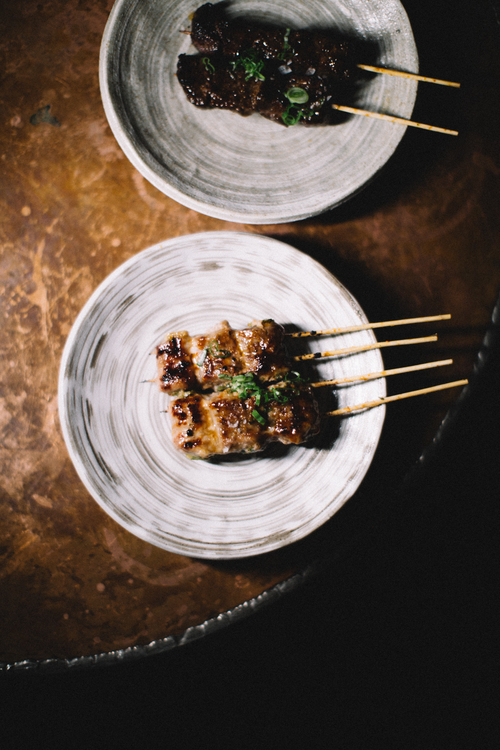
column 118, row 434
column 241, row 169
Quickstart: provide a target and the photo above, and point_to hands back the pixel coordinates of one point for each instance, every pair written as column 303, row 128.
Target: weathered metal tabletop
column 423, row 238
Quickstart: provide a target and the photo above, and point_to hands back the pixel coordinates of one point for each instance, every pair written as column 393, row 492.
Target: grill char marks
column 234, row 391
column 237, row 430
column 296, row 420
column 191, row 424
column 215, row 354
column 262, row 350
column 205, row 425
column 175, row 372
column 197, row 362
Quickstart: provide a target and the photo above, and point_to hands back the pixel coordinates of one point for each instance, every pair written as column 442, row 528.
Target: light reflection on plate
column 250, row 170
column 118, row 434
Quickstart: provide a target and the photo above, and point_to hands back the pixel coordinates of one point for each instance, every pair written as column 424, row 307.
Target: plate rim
column 231, row 550
column 120, row 125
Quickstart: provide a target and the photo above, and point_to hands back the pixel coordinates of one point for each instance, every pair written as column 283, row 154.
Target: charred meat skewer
column 305, row 52
column 282, row 74
column 186, row 363
column 285, row 75
column 211, row 424
column 215, row 83
column 234, row 391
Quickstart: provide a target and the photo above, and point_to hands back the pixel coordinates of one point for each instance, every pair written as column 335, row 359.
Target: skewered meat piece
column 286, row 76
column 215, row 82
column 301, row 50
column 205, row 425
column 186, row 363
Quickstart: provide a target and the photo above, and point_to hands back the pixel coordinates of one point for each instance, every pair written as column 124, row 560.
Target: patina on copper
column 424, row 238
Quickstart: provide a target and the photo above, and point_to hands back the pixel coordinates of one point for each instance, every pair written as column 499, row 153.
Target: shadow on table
column 391, row 646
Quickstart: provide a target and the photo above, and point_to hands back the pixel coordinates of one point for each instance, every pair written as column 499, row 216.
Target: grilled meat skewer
column 186, row 363
column 213, row 82
column 304, row 51
column 205, row 425
column 286, row 76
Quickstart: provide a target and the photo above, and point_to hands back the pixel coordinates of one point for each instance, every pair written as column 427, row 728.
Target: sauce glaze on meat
column 186, row 363
column 234, row 391
column 205, row 425
column 316, row 62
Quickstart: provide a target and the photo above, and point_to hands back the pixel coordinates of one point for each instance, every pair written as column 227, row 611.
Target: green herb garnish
column 203, row 357
column 292, row 115
column 244, row 385
column 248, row 386
column 208, row 64
column 251, row 63
column 213, row 348
column 286, row 46
column 257, row 416
column 297, row 95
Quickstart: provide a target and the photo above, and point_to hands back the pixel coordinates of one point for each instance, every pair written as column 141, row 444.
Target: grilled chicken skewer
column 225, row 422
column 188, row 363
column 235, row 390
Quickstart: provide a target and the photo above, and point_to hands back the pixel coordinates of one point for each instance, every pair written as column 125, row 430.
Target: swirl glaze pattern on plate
column 118, row 434
column 249, row 169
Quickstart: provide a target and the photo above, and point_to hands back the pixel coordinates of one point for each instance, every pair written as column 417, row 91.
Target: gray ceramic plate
column 118, row 434
column 248, row 169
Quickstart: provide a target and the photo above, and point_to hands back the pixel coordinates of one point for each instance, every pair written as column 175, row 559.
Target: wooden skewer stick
column 390, row 118
column 382, row 373
column 367, row 347
column 412, row 76
column 368, row 326
column 397, row 397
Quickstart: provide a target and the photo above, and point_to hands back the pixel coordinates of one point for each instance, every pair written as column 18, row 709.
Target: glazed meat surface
column 212, row 83
column 248, row 68
column 205, row 425
column 303, row 50
column 186, row 363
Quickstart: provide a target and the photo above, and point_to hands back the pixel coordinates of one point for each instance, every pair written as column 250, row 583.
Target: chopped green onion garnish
column 297, row 95
column 279, row 395
column 258, row 417
column 286, row 46
column 214, row 349
column 203, row 357
column 208, row 64
column 291, row 115
column 251, row 63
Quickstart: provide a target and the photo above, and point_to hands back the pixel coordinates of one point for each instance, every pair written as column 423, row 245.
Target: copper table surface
column 423, row 238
